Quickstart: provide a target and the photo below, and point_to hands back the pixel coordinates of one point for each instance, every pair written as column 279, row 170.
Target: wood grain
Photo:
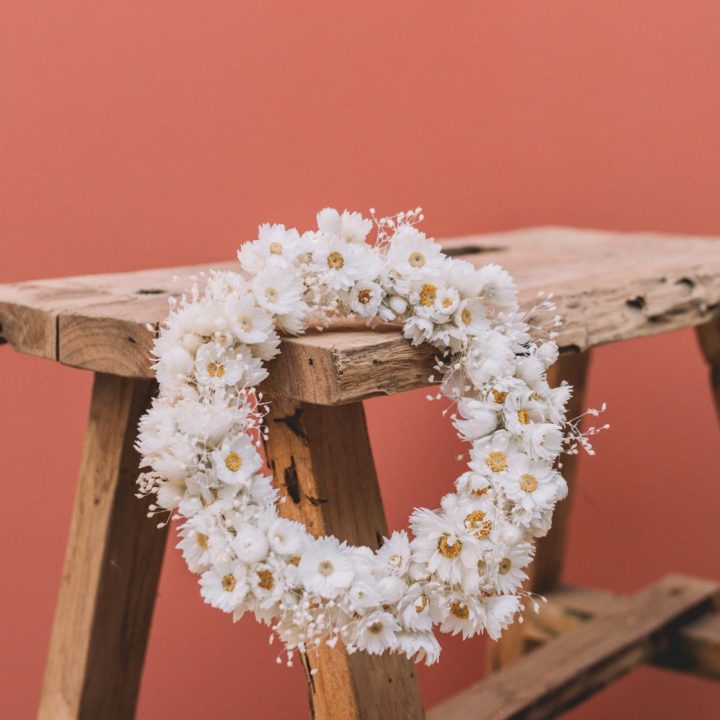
column 694, row 648
column 112, row 567
column 322, row 464
column 569, row 669
column 709, row 338
column 608, row 286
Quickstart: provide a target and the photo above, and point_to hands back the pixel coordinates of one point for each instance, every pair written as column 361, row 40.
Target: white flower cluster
column 462, row 569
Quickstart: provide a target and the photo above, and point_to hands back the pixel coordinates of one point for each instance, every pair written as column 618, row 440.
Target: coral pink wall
column 137, row 134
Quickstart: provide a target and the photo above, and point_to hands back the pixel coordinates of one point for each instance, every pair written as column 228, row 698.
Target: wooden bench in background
column 607, row 286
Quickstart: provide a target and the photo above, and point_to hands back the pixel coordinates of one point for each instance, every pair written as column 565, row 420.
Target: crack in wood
column 292, row 482
column 316, row 501
column 293, row 423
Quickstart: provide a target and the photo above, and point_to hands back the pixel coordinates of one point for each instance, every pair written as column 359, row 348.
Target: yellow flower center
column 395, row 561
column 447, row 302
column 505, row 566
column 481, row 491
column 499, row 396
column 528, row 482
column 202, row 540
column 294, row 560
column 466, row 316
column 497, row 461
column 335, row 261
column 421, row 603
column 428, row 293
column 215, row 369
column 448, row 549
column 228, row 582
column 245, row 323
column 376, row 628
column 476, row 521
column 325, row 568
column 364, row 296
column 460, row 610
column 523, row 416
column 271, row 294
column 233, row 462
column 416, row 259
column 265, row 579
column 276, row 248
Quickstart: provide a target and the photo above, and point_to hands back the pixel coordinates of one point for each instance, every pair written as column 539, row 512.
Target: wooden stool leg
column 112, row 567
column 709, row 338
column 546, row 570
column 323, row 464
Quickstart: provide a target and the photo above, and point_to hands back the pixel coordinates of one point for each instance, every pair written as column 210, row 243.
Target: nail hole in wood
column 687, row 282
column 637, row 302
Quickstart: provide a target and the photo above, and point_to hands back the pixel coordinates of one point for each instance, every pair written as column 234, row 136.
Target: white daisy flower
column 278, row 290
column 365, row 299
column 200, row 540
column 520, row 409
column 248, row 322
column 412, row 255
column 266, row 583
column 507, row 563
column 342, row 264
column 375, row 633
column 446, row 552
column 463, row 615
column 237, row 460
column 531, row 486
column 470, row 316
column 275, row 246
column 325, row 568
column 217, row 366
column 394, row 553
column 224, row 586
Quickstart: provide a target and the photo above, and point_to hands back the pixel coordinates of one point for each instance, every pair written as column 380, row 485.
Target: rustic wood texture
column 694, row 648
column 112, row 567
column 709, row 338
column 608, row 286
column 546, row 569
column 569, row 669
column 322, row 464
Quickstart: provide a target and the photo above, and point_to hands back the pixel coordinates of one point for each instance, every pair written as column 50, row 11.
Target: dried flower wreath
column 463, row 568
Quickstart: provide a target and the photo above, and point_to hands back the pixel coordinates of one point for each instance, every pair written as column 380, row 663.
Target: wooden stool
column 607, row 286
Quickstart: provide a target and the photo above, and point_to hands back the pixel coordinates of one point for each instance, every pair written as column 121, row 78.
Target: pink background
column 140, row 134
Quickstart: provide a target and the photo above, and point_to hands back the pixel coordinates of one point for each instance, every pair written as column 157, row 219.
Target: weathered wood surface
column 546, row 570
column 694, row 648
column 112, row 567
column 322, row 464
column 608, row 286
column 567, row 670
column 709, row 339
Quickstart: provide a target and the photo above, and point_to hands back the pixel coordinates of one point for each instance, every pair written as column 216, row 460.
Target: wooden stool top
column 607, row 286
